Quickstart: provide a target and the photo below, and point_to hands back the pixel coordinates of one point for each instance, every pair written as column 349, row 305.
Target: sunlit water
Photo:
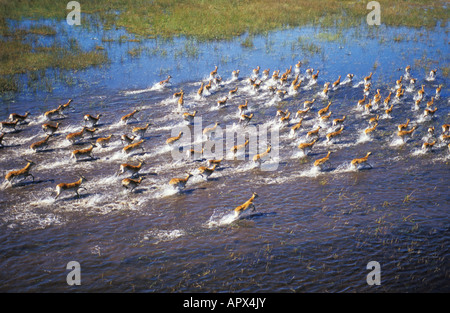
column 312, row 230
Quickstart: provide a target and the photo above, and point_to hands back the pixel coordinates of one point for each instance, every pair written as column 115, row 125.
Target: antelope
column 285, row 119
column 308, row 103
column 367, row 88
column 427, row 146
column 243, row 107
column 298, row 65
column 369, row 130
column 325, row 89
column 22, row 173
column 81, row 153
column 368, row 78
column 408, row 69
column 374, row 120
column 256, row 71
column 140, row 131
column 208, row 131
column 295, row 81
column 430, row 103
column 337, row 82
column 445, row 128
column 438, row 91
column 338, row 121
column 314, row 76
column 389, row 110
column 214, row 162
column 214, row 72
column 40, row 144
column 429, row 112
column 282, row 113
column 387, row 100
column 421, row 92
column 222, row 101
column 406, row 133
column 235, row 74
column 361, row 161
column 217, row 80
column 246, row 118
column 433, row 73
column 20, row 118
column 236, row 148
column 402, row 126
column 91, row 131
column 445, row 137
column 246, row 205
column 49, row 115
column 302, row 113
column 313, row 133
column 325, row 118
column 377, row 97
column 70, row 186
column 74, row 137
column 180, row 182
column 131, row 183
column 205, row 171
column 266, row 73
column 297, row 126
column 297, row 86
column 209, row 85
column 257, row 158
column 103, row 141
column 133, row 146
column 172, row 140
column 399, row 82
column 233, row 91
column 66, row 105
column 431, row 131
column 200, row 90
column 50, row 129
column 320, row 163
column 127, row 139
column 129, row 116
column 180, row 101
column 400, row 92
column 324, row 110
column 307, row 146
column 165, row 81
column 10, row 125
column 417, row 104
column 91, row 120
column 189, row 117
column 368, row 107
column 350, row 77
column 178, row 94
column 362, row 102
column 331, row 135
column 195, row 155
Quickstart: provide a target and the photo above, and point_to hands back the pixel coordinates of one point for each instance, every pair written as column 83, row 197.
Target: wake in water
column 155, row 87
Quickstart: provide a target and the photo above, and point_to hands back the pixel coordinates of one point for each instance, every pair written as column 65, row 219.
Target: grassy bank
column 199, row 19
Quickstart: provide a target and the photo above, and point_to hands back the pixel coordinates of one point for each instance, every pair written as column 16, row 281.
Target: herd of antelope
column 282, row 84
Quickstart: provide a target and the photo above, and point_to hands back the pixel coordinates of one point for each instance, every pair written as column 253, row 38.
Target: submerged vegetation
column 194, row 19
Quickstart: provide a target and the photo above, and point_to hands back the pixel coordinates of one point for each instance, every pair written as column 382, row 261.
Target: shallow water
column 312, row 231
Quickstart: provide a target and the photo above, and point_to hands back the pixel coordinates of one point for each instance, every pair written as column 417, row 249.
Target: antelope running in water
column 132, row 183
column 258, row 158
column 91, row 120
column 321, row 163
column 74, row 137
column 40, row 145
column 205, row 171
column 50, row 129
column 246, row 205
column 405, row 134
column 22, row 174
column 20, row 118
column 361, row 161
column 180, row 182
column 75, row 186
column 133, row 169
column 133, row 146
column 9, row 125
column 124, row 119
column 307, row 146
column 103, row 141
column 140, row 131
column 332, row 135
column 174, row 139
column 82, row 153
